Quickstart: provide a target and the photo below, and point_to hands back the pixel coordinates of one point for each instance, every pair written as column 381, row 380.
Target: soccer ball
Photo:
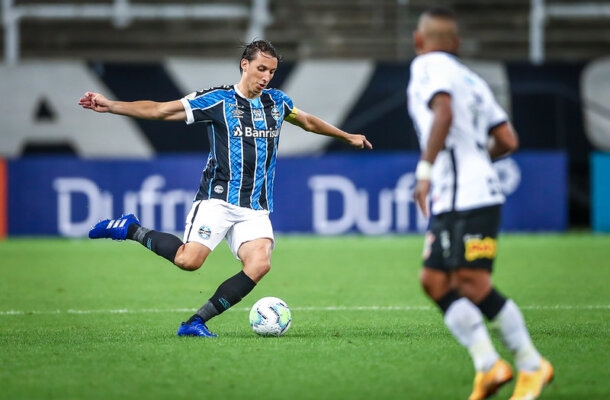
column 270, row 316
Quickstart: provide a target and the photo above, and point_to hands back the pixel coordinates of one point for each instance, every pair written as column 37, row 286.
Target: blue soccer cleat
column 115, row 229
column 195, row 328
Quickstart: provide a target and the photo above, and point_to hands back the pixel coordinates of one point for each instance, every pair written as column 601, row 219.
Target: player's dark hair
column 441, row 12
column 252, row 49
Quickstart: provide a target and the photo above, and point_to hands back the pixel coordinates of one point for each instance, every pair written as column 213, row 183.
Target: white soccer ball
column 270, row 316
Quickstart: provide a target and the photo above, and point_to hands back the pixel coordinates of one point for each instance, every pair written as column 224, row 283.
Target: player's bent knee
column 191, row 256
column 188, row 263
column 257, row 271
column 188, row 267
column 262, row 269
column 265, row 268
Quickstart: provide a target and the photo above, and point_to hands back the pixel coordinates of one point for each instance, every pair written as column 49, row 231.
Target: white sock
column 517, row 338
column 466, row 323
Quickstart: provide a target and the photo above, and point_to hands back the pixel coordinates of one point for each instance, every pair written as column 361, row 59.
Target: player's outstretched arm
column 144, row 109
column 311, row 123
column 503, row 140
column 441, row 123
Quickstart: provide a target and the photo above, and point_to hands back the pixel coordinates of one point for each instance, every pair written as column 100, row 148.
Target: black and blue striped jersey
column 243, row 135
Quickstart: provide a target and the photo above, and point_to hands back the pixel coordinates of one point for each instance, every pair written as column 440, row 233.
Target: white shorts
column 210, row 221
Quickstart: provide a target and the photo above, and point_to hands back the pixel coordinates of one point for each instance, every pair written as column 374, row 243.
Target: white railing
column 540, row 13
column 122, row 12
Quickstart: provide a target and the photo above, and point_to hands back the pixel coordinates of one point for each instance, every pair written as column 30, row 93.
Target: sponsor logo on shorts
column 428, row 240
column 218, row 189
column 204, row 232
column 476, row 248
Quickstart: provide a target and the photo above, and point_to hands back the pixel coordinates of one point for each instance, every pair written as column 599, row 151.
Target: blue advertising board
column 600, row 192
column 66, row 196
column 365, row 193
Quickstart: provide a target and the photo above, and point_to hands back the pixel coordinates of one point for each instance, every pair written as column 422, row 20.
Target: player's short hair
column 252, row 49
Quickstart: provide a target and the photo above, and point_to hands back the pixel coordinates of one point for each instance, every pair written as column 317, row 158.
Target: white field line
column 558, row 307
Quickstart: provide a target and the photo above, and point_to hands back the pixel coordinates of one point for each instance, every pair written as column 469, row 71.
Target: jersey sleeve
column 291, row 114
column 189, row 111
column 290, row 111
column 198, row 105
column 431, row 75
column 496, row 115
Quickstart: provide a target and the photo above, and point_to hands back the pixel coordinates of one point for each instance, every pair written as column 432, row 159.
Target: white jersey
column 463, row 177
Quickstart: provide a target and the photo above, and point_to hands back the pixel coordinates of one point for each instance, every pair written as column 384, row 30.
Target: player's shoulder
column 276, row 94
column 220, row 90
column 274, row 91
column 435, row 58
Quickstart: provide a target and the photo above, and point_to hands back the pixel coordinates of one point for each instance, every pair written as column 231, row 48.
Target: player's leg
column 228, row 293
column 491, row 371
column 476, row 284
column 251, row 241
column 463, row 317
column 128, row 227
column 191, row 256
column 256, row 259
column 534, row 371
column 188, row 256
column 465, row 322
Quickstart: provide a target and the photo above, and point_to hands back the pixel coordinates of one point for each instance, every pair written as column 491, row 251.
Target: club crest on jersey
column 218, row 189
column 257, row 114
column 275, row 113
column 476, row 248
column 204, row 232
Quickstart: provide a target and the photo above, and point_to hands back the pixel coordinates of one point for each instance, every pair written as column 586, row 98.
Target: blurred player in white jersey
column 461, row 129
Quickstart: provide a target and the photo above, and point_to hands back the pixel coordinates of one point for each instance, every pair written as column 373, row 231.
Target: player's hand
column 359, row 142
column 94, row 101
column 420, row 194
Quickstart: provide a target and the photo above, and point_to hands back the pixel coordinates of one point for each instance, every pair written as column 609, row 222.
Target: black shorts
column 463, row 239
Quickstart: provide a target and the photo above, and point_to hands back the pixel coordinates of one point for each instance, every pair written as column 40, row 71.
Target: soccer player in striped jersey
column 235, row 194
column 461, row 128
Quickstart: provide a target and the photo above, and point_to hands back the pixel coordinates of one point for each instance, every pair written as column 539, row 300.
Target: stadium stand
column 131, row 29
column 380, row 29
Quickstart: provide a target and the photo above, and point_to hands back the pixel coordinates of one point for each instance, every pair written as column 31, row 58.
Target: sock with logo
column 164, row 244
column 229, row 293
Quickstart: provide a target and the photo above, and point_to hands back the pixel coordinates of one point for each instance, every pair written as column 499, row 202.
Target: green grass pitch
column 83, row 319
